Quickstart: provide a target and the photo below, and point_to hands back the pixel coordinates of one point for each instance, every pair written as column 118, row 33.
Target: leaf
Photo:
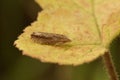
column 91, row 25
column 108, row 16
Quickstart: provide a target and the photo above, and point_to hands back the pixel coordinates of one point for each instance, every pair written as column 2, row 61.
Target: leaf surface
column 89, row 24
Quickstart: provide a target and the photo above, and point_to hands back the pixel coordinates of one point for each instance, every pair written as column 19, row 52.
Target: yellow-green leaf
column 81, row 21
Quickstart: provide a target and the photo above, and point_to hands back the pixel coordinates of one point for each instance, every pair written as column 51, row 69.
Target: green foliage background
column 14, row 16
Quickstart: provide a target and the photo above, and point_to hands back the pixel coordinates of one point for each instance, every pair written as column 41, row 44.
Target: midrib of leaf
column 94, row 16
column 95, row 19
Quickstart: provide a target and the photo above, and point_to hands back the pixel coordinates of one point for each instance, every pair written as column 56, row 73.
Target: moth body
column 49, row 38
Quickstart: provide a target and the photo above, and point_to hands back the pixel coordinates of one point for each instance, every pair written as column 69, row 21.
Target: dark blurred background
column 15, row 15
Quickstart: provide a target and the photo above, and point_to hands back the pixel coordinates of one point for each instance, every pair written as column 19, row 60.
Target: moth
column 49, row 38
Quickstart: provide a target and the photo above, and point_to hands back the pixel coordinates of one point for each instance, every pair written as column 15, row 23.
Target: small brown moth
column 49, row 38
